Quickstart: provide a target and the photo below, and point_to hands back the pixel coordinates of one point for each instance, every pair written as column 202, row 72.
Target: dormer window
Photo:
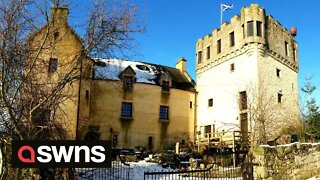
column 165, row 82
column 165, row 86
column 127, row 77
column 128, row 82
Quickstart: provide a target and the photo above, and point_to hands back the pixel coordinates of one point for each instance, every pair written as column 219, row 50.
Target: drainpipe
column 195, row 123
column 79, row 92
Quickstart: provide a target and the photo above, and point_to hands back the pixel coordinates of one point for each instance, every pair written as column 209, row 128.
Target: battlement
column 253, row 26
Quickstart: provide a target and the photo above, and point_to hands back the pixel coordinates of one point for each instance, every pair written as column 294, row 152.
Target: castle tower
column 247, row 76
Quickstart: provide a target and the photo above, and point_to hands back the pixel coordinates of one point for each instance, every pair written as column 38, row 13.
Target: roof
column 110, row 69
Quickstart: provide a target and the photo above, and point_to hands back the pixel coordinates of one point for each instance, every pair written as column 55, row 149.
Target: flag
column 226, row 7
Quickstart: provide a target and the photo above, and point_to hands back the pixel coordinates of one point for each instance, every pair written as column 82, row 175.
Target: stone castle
column 245, row 70
column 246, row 79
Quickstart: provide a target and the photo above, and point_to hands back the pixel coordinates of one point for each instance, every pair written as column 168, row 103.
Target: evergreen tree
column 312, row 116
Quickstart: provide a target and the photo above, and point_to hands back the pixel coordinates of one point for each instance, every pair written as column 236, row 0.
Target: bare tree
column 33, row 101
column 267, row 117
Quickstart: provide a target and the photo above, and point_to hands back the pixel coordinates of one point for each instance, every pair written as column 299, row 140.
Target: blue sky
column 173, row 27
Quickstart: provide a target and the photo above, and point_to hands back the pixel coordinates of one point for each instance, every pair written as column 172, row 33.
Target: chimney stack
column 59, row 14
column 181, row 65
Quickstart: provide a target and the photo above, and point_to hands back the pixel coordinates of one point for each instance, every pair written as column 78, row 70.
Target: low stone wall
column 1, row 162
column 291, row 161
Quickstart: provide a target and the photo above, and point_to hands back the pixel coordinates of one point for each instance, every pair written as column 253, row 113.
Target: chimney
column 59, row 14
column 181, row 65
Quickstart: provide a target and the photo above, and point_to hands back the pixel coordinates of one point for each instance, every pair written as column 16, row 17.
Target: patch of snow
column 138, row 169
column 145, row 73
column 312, row 144
column 287, row 145
column 314, row 178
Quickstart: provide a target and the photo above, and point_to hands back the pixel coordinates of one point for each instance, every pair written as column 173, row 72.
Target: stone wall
column 292, row 161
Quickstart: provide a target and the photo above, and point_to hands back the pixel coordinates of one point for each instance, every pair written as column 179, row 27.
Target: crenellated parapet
column 252, row 29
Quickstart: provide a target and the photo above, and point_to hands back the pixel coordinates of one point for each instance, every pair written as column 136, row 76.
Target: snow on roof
column 111, row 69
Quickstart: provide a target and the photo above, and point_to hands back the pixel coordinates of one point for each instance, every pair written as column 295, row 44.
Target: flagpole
column 221, row 14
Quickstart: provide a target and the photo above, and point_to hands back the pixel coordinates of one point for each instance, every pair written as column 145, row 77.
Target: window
column 250, row 28
column 164, row 112
column 294, row 53
column 126, row 110
column 207, row 130
column 199, row 57
column 259, row 28
column 278, row 72
column 219, row 46
column 244, row 126
column 286, row 48
column 53, row 64
column 232, row 67
column 114, row 141
column 40, row 116
column 150, row 142
column 208, row 52
column 243, row 32
column 128, row 82
column 210, row 102
column 92, row 135
column 165, row 86
column 243, row 100
column 279, row 97
column 87, row 95
column 190, row 104
column 231, row 36
column 56, row 35
column 292, row 87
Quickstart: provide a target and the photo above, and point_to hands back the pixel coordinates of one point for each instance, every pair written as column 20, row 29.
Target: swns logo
column 61, row 154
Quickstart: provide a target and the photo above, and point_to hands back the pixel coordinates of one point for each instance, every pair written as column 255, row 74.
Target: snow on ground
column 138, row 169
column 314, row 178
column 286, row 145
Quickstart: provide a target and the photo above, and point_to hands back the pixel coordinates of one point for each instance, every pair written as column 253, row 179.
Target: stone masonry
column 293, row 161
column 244, row 67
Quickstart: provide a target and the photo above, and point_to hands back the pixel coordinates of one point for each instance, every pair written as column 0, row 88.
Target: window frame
column 53, row 65
column 232, row 67
column 128, row 84
column 210, row 102
column 164, row 112
column 250, row 28
column 259, row 28
column 199, row 57
column 87, row 94
column 278, row 72
column 279, row 97
column 207, row 130
column 243, row 32
column 126, row 113
column 294, row 54
column 243, row 100
column 150, row 141
column 208, row 52
column 286, row 48
column 165, row 86
column 232, row 39
column 219, row 46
